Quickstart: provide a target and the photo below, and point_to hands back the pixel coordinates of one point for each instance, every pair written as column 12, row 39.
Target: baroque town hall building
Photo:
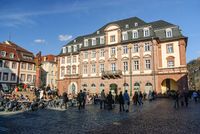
column 126, row 54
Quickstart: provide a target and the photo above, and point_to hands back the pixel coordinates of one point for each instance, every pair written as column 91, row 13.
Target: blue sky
column 47, row 25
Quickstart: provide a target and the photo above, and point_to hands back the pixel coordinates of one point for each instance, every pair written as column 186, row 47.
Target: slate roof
column 155, row 25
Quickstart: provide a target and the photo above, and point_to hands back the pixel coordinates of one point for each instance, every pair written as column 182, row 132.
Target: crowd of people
column 181, row 97
column 46, row 97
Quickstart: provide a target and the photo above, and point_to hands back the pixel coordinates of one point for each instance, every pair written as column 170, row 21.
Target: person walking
column 64, row 100
column 186, row 98
column 126, row 101
column 80, row 99
column 136, row 99
column 84, row 98
column 121, row 101
column 140, row 97
column 103, row 99
column 176, row 99
column 110, row 100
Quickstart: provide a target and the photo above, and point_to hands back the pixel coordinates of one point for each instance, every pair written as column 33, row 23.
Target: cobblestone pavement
column 158, row 117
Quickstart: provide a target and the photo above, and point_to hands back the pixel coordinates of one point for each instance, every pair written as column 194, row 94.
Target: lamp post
column 130, row 57
column 154, row 77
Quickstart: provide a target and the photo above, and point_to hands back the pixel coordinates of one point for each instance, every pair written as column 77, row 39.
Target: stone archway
column 148, row 87
column 168, row 84
column 113, row 88
column 72, row 88
column 136, row 87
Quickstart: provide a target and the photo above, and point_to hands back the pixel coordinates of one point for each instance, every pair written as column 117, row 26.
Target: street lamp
column 130, row 57
column 154, row 77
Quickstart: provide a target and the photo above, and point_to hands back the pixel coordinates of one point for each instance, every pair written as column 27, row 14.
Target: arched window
column 84, row 85
column 137, row 86
column 101, row 87
column 125, row 86
column 93, row 85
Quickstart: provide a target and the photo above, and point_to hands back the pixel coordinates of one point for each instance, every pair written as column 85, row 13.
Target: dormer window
column 97, row 32
column 136, row 24
column 64, row 49
column 146, row 32
column 126, row 26
column 75, row 48
column 11, row 55
column 125, row 36
column 168, row 32
column 135, row 34
column 86, row 43
column 69, row 49
column 102, row 40
column 94, row 42
column 3, row 53
column 74, row 41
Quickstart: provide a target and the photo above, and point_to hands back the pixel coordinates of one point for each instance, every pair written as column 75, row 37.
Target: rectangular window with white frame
column 13, row 77
column 113, row 52
column 5, row 76
column 113, row 67
column 125, row 66
column 69, row 49
column 63, row 60
column 30, row 66
column 68, row 59
column 112, row 38
column 23, row 77
column 93, row 68
column 170, row 48
column 86, row 43
column 135, row 48
column 102, row 53
column 74, row 59
column 75, row 48
column 94, row 42
column 6, row 64
column 69, row 70
column 135, row 34
column 170, row 63
column 84, row 69
column 124, row 36
column 101, row 68
column 148, row 64
column 14, row 65
column 146, row 32
column 125, row 50
column 29, row 78
column 147, row 47
column 64, row 49
column 101, row 40
column 93, row 55
column 136, row 65
column 85, row 55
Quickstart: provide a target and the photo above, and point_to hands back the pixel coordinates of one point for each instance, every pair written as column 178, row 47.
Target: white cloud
column 64, row 37
column 40, row 41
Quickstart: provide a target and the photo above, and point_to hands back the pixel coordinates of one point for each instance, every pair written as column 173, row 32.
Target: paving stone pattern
column 157, row 117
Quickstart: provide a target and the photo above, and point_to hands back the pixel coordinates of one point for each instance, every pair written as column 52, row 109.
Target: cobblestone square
column 153, row 117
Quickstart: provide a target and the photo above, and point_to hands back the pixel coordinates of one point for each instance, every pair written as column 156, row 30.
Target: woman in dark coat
column 121, row 101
